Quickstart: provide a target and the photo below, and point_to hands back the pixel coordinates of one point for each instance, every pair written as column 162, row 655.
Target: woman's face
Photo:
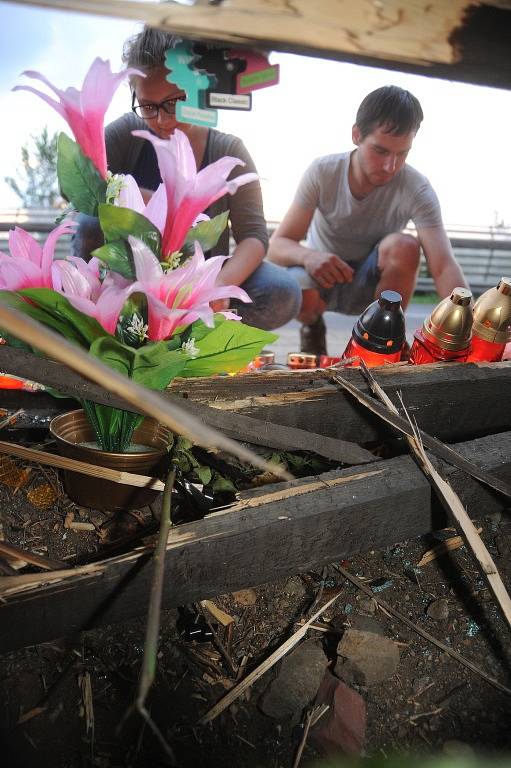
column 150, row 93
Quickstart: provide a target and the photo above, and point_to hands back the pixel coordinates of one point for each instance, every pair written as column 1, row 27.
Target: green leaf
column 153, row 365
column 60, row 325
column 206, row 232
column 59, row 309
column 222, row 484
column 118, row 223
column 117, row 257
column 79, row 179
column 227, row 348
column 204, row 474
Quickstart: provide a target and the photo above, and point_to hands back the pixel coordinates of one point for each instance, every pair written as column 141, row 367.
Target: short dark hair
column 147, row 49
column 397, row 110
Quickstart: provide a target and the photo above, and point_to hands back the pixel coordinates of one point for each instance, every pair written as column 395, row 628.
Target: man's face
column 381, row 155
column 153, row 90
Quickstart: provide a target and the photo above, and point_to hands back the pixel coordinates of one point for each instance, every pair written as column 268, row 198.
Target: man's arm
column 285, row 249
column 442, row 264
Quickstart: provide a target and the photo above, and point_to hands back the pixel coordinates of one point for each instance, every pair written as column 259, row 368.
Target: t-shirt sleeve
column 426, row 207
column 246, row 212
column 307, row 194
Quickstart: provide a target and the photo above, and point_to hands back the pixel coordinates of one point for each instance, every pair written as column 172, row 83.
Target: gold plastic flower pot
column 73, row 435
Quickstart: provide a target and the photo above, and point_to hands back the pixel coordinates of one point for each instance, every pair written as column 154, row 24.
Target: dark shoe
column 313, row 338
column 405, row 351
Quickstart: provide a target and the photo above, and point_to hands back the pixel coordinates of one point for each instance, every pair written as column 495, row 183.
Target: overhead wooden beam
column 272, row 533
column 460, row 40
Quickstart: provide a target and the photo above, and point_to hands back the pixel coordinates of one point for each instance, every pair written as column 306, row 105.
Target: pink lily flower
column 188, row 192
column 178, row 297
column 175, row 298
column 29, row 265
column 131, row 197
column 84, row 111
column 80, row 283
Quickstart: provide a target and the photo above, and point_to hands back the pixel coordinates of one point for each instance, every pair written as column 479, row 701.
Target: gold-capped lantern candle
column 491, row 329
column 446, row 334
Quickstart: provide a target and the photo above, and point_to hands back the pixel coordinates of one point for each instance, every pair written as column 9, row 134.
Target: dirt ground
column 63, row 704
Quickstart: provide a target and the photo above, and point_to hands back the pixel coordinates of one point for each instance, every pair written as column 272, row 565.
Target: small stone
column 341, row 731
column 420, row 684
column 367, row 605
column 296, row 684
column 438, row 610
column 366, row 624
column 368, row 658
column 245, row 597
column 295, row 587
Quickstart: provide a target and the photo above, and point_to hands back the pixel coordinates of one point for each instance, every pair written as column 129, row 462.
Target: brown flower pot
column 71, row 429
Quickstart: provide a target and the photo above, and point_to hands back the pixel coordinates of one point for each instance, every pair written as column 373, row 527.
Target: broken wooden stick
column 442, row 548
column 440, row 449
column 452, row 504
column 11, row 551
column 94, row 470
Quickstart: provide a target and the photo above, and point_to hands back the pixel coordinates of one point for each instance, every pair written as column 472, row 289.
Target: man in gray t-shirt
column 352, row 208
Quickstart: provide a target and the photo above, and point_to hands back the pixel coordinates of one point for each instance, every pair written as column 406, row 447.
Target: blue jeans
column 346, row 298
column 276, row 297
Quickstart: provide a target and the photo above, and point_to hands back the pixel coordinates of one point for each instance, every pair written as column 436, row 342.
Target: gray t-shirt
column 351, row 228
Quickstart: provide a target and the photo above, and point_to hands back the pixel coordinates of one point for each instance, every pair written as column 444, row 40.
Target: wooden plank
column 452, row 401
column 273, row 534
column 459, row 39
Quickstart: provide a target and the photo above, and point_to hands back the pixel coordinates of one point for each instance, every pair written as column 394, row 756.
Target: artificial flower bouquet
column 141, row 304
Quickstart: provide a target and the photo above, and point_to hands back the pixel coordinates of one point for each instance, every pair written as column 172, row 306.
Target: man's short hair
column 393, row 109
column 147, row 49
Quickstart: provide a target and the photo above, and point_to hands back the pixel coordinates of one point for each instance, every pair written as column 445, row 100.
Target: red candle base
column 424, row 351
column 371, row 359
column 485, row 351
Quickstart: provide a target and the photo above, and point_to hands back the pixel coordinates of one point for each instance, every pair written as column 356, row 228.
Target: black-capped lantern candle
column 447, row 332
column 491, row 329
column 379, row 333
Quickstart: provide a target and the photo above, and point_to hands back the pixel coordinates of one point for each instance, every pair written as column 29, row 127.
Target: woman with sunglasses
column 276, row 297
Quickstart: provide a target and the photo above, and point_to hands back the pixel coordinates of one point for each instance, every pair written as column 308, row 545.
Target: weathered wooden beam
column 273, row 532
column 451, row 401
column 464, row 40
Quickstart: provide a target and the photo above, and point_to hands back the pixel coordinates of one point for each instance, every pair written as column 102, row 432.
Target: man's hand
column 327, row 269
column 219, row 305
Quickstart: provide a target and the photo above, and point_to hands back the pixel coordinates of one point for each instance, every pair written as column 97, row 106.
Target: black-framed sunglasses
column 150, row 111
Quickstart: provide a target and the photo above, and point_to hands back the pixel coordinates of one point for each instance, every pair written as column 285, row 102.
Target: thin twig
column 313, row 715
column 154, row 613
column 149, row 660
column 221, row 647
column 422, row 632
